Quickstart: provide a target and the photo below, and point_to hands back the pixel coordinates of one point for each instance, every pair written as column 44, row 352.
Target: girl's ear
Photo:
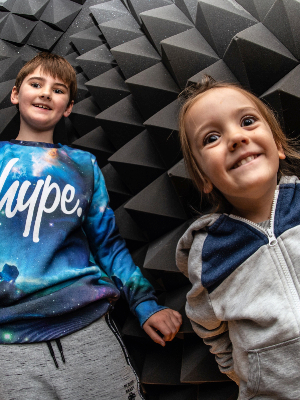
column 14, row 97
column 208, row 187
column 281, row 152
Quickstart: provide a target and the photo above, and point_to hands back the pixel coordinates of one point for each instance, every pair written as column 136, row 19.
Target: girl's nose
column 236, row 140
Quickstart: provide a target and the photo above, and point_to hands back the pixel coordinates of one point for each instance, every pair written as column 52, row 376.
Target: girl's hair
column 189, row 96
column 53, row 65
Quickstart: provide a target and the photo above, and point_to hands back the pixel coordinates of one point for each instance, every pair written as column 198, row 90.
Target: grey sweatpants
column 95, row 368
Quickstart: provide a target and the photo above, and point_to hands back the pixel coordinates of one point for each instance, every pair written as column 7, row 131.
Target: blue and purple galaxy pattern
column 62, row 261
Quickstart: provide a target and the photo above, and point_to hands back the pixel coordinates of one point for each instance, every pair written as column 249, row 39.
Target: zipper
column 115, row 331
column 273, row 243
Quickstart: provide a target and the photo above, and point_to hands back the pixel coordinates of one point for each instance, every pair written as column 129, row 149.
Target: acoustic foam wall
column 132, row 58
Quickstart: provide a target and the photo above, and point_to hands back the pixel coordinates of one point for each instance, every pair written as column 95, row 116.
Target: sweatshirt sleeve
column 111, row 254
column 198, row 307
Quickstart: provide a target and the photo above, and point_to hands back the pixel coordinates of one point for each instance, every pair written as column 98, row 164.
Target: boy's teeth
column 40, row 106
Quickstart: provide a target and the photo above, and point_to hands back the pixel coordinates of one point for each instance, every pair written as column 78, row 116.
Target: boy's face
column 233, row 145
column 42, row 101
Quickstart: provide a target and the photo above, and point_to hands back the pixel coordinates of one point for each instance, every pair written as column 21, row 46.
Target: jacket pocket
column 274, row 372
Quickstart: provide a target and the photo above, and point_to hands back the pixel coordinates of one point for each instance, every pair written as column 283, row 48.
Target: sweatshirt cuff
column 147, row 308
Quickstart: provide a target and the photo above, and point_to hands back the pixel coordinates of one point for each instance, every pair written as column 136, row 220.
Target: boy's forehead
column 40, row 73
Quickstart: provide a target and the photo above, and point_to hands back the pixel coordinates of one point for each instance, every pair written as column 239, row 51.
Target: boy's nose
column 45, row 94
column 236, row 140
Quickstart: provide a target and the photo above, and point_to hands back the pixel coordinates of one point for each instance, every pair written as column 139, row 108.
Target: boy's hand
column 167, row 322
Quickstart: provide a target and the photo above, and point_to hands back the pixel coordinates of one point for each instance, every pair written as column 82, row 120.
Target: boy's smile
column 42, row 101
column 233, row 146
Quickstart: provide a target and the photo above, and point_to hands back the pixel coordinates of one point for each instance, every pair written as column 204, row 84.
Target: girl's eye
column 248, row 121
column 210, row 138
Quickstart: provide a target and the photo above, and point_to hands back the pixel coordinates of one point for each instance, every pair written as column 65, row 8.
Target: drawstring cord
column 59, row 346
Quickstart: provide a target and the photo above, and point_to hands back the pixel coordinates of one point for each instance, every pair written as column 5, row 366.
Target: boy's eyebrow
column 42, row 79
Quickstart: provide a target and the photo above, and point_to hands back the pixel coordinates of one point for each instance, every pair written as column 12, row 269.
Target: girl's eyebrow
column 38, row 78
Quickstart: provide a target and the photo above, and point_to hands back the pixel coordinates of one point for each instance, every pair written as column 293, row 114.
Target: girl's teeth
column 245, row 161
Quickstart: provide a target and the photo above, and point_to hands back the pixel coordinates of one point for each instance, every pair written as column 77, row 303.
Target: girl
column 243, row 258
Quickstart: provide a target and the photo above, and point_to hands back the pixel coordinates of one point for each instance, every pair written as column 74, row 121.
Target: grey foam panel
column 118, row 192
column 9, row 68
column 82, row 91
column 235, row 19
column 257, row 8
column 30, row 8
column 169, row 392
column 87, row 40
column 108, row 10
column 253, row 44
column 218, row 391
column 176, row 300
column 17, row 29
column 157, row 214
column 10, row 123
column 6, row 5
column 108, row 88
column 136, row 7
column 60, row 13
column 5, row 92
column 153, row 89
column 83, row 116
column 138, row 162
column 120, row 30
column 188, row 7
column 219, row 71
column 135, row 56
column 163, row 22
column 122, row 121
column 189, row 45
column 44, row 36
column 96, row 61
column 283, row 21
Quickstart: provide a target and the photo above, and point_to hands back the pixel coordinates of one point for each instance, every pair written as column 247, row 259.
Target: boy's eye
column 35, row 85
column 248, row 121
column 58, row 91
column 210, row 138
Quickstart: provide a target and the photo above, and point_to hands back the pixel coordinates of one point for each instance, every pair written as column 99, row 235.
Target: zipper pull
column 272, row 238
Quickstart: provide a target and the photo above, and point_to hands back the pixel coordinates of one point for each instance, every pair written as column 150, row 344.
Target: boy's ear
column 69, row 109
column 14, row 97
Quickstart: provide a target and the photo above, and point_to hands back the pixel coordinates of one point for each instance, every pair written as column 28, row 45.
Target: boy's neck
column 32, row 136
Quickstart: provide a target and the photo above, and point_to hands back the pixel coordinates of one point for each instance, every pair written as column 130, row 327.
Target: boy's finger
column 154, row 336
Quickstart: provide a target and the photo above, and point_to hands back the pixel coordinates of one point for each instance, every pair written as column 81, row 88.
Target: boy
column 57, row 340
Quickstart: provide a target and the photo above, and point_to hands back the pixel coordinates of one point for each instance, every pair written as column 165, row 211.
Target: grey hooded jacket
column 244, row 300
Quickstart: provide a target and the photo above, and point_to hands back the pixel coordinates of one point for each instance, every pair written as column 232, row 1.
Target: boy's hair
column 189, row 96
column 53, row 65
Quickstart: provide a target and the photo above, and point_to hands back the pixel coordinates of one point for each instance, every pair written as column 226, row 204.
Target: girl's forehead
column 227, row 96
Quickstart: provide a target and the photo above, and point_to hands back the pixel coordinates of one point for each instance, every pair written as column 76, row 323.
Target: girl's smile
column 233, row 146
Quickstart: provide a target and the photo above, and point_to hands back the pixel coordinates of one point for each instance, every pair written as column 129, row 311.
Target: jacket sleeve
column 199, row 308
column 111, row 254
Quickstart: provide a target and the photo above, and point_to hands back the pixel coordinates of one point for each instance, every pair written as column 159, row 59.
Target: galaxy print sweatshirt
column 62, row 261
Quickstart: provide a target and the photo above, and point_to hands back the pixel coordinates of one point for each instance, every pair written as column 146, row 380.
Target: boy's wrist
column 145, row 309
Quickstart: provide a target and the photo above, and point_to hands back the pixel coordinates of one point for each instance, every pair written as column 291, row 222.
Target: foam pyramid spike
column 284, row 97
column 60, row 13
column 136, row 7
column 79, row 1
column 283, row 21
column 167, row 370
column 7, row 50
column 219, row 71
column 10, row 123
column 138, row 162
column 108, row 88
column 157, row 214
column 96, row 61
column 258, row 59
column 29, row 8
column 168, row 392
column 129, row 230
column 118, row 192
column 259, row 9
column 10, row 67
column 72, row 58
column 26, row 52
column 234, row 19
column 82, row 91
column 120, row 30
column 43, row 36
column 83, row 116
column 163, row 128
column 121, row 121
column 198, row 364
column 3, row 17
column 97, row 143
column 5, row 92
column 135, row 56
column 176, row 300
column 108, row 10
column 153, row 89
column 163, row 22
column 189, row 45
column 6, row 5
column 188, row 7
column 17, row 29
column 87, row 40
column 160, row 254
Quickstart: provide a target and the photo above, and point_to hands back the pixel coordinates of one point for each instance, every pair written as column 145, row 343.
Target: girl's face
column 233, row 145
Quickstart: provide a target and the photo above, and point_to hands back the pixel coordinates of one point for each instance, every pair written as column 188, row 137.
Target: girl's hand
column 167, row 322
